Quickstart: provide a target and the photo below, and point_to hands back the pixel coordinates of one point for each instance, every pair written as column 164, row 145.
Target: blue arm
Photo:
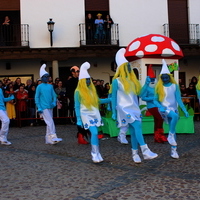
column 102, row 101
column 114, row 99
column 37, row 100
column 198, row 94
column 180, row 102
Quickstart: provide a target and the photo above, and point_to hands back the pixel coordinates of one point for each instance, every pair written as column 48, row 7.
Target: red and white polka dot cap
column 153, row 46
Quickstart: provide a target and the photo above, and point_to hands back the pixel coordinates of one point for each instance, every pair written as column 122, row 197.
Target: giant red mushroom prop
column 153, row 46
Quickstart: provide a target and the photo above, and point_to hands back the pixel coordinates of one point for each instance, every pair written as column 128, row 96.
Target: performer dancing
column 125, row 108
column 87, row 109
column 45, row 99
column 148, row 94
column 198, row 89
column 5, row 121
column 168, row 94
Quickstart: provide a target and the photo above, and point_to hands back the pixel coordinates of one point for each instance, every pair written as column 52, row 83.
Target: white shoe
column 147, row 153
column 171, row 139
column 6, row 142
column 96, row 156
column 52, row 139
column 135, row 156
column 174, row 153
column 122, row 139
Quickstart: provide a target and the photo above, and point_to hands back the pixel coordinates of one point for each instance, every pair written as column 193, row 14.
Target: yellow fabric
column 10, row 108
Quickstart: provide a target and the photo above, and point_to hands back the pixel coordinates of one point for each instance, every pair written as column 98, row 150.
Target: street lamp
column 50, row 25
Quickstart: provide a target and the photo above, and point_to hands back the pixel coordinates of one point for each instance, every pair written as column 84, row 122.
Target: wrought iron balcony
column 16, row 35
column 91, row 35
column 183, row 34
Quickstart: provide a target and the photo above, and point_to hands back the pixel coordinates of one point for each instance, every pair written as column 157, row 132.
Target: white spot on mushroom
column 140, row 54
column 167, row 52
column 151, row 48
column 175, row 46
column 135, row 45
column 157, row 39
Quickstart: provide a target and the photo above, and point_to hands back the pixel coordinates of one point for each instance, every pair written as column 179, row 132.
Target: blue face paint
column 165, row 78
column 45, row 78
column 153, row 80
column 88, row 81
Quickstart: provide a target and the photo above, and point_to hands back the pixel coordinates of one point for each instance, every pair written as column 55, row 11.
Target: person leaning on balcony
column 100, row 32
column 89, row 22
column 6, row 31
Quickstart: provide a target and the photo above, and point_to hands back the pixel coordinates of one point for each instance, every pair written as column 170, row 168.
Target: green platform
column 184, row 125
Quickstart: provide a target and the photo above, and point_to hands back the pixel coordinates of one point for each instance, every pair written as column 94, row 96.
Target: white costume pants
column 5, row 125
column 48, row 118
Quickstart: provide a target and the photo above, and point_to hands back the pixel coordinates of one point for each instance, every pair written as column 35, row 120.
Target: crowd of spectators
column 98, row 30
column 22, row 109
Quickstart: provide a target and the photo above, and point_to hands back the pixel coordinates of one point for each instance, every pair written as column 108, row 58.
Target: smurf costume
column 125, row 107
column 168, row 95
column 148, row 95
column 5, row 121
column 45, row 99
column 87, row 109
column 198, row 89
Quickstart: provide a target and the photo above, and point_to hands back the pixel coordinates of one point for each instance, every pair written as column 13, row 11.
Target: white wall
column 194, row 11
column 67, row 15
column 138, row 17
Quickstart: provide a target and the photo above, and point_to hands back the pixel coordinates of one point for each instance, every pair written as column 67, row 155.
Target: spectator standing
column 100, row 32
column 89, row 21
column 108, row 24
column 17, row 83
column 21, row 106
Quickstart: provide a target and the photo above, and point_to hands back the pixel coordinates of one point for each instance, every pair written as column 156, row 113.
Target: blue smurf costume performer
column 168, row 95
column 87, row 109
column 5, row 121
column 45, row 99
column 148, row 95
column 198, row 90
column 125, row 106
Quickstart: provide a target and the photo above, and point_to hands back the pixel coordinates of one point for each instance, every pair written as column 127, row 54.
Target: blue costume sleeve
column 180, row 102
column 102, row 101
column 3, row 100
column 158, row 104
column 37, row 99
column 198, row 94
column 114, row 99
column 54, row 98
column 78, row 109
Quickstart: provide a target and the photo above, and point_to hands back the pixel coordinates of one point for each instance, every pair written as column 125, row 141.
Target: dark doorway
column 178, row 21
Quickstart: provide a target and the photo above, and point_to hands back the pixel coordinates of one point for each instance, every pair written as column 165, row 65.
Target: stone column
column 55, row 71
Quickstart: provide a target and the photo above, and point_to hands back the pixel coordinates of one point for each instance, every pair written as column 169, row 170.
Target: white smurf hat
column 84, row 70
column 164, row 69
column 119, row 57
column 42, row 70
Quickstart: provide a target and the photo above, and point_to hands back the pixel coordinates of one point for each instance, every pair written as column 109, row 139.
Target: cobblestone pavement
column 32, row 170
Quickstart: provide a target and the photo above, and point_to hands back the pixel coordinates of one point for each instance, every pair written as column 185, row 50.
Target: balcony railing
column 95, row 36
column 194, row 34
column 14, row 35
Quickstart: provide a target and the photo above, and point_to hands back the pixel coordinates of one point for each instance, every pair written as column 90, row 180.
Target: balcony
column 183, row 33
column 16, row 35
column 90, row 37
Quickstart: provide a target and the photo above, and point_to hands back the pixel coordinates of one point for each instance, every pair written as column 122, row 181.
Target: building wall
column 138, row 17
column 67, row 15
column 194, row 13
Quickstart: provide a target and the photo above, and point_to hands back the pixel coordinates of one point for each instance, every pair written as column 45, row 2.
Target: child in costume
column 45, row 99
column 125, row 107
column 168, row 95
column 87, row 109
column 148, row 94
column 5, row 121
